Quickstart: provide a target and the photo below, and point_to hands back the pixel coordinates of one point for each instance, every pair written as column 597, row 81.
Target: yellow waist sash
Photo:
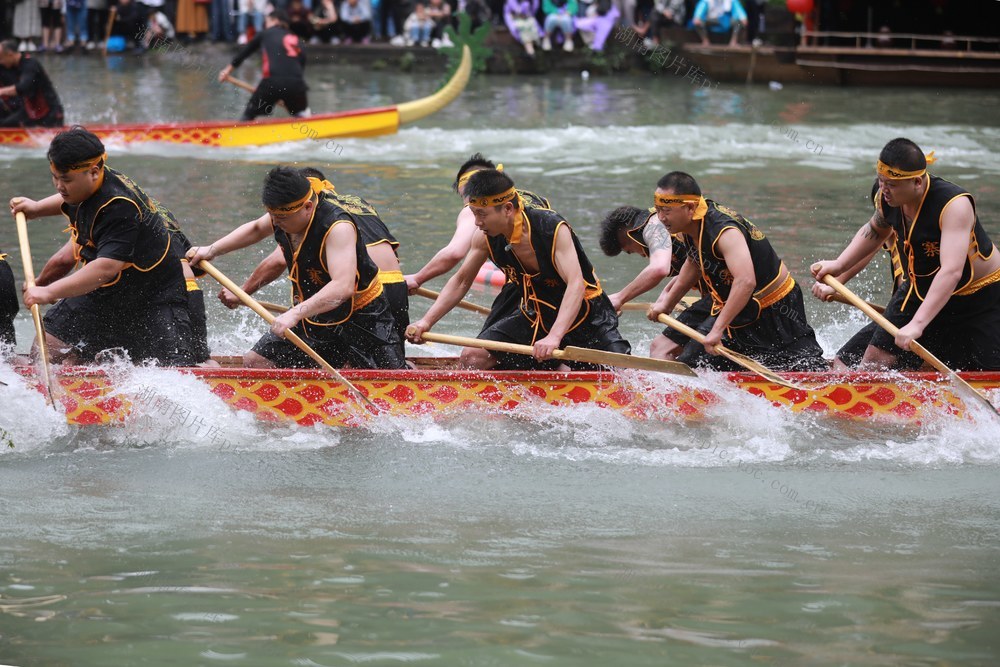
column 390, row 277
column 979, row 284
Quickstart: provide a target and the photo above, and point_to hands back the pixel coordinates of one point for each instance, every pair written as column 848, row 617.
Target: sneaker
column 546, row 43
column 398, row 40
column 314, row 40
column 32, row 48
column 425, row 44
column 436, row 43
column 22, row 47
column 446, row 41
column 91, row 46
column 568, row 45
column 242, row 39
column 649, row 43
column 335, row 41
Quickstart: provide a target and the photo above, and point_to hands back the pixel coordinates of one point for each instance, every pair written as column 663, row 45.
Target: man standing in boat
column 283, row 66
column 562, row 302
column 37, row 102
column 382, row 248
column 950, row 296
column 340, row 309
column 757, row 309
column 465, row 230
column 130, row 292
column 639, row 232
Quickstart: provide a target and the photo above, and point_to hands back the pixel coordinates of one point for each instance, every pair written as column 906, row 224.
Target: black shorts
column 272, row 90
column 692, row 316
column 780, row 339
column 853, row 351
column 965, row 335
column 399, row 305
column 506, row 303
column 199, row 325
column 8, row 304
column 367, row 340
column 159, row 333
column 598, row 332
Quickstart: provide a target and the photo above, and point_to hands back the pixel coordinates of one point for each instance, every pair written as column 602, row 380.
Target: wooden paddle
column 737, row 358
column 274, row 307
column 36, row 315
column 840, row 298
column 915, row 347
column 466, row 305
column 240, row 83
column 252, row 303
column 570, row 354
column 683, row 304
column 107, row 30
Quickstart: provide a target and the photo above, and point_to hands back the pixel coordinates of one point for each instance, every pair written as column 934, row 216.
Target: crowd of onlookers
column 60, row 25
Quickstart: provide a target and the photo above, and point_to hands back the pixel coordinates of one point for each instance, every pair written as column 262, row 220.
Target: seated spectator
column 666, row 13
column 299, row 20
column 129, row 23
column 559, row 18
column 324, row 22
column 356, row 21
column 418, row 27
column 478, row 10
column 519, row 15
column 600, row 20
column 439, row 11
column 719, row 16
column 159, row 30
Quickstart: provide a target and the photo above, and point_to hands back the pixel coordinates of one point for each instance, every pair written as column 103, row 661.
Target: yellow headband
column 294, row 206
column 494, row 200
column 467, row 175
column 319, row 186
column 893, row 174
column 679, row 200
column 80, row 166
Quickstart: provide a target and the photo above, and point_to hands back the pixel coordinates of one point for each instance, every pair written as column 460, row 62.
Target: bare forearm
column 443, row 262
column 454, row 291
column 647, row 279
column 739, row 297
column 569, row 308
column 87, row 279
column 940, row 291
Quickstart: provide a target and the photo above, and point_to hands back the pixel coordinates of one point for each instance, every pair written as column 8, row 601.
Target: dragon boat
column 437, row 387
column 231, row 133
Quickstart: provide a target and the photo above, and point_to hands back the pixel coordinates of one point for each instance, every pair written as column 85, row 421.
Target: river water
column 556, row 537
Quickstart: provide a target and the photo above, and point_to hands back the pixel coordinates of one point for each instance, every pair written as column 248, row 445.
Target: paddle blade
column 602, row 358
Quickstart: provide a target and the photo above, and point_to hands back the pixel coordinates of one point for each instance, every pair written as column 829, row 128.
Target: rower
column 130, row 292
column 284, row 62
column 35, row 101
column 8, row 306
column 639, row 232
column 382, row 247
column 757, row 308
column 465, row 229
column 561, row 302
column 949, row 298
column 339, row 306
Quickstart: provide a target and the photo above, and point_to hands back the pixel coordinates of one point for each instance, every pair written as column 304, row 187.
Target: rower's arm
column 567, row 264
column 60, row 264
column 957, row 222
column 454, row 290
column 450, row 255
column 245, row 235
column 51, row 205
column 270, row 269
column 736, row 254
column 866, row 242
column 658, row 240
column 825, row 292
column 93, row 274
column 675, row 289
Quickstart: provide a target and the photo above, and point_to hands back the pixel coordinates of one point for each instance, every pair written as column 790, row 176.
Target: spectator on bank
column 559, row 19
column 665, row 14
column 392, row 12
column 439, row 11
column 27, row 24
column 519, row 15
column 596, row 26
column 129, row 23
column 159, row 30
column 52, row 22
column 300, row 20
column 251, row 15
column 478, row 10
column 418, row 27
column 719, row 16
column 356, row 21
column 220, row 21
column 192, row 18
column 75, row 14
column 97, row 23
column 324, row 22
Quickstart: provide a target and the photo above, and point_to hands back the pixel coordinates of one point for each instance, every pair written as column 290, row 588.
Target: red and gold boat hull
column 309, row 397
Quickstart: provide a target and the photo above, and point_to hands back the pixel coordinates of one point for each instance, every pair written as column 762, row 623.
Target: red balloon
column 800, row 6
